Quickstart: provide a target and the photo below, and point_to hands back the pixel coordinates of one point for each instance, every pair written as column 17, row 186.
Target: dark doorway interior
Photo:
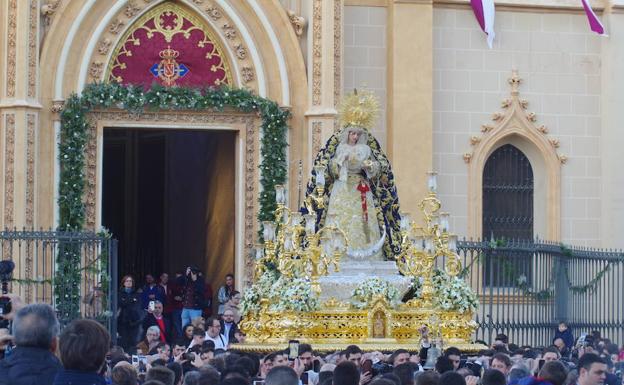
column 168, row 197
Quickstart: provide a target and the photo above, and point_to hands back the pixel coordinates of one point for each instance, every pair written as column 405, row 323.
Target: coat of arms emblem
column 169, row 70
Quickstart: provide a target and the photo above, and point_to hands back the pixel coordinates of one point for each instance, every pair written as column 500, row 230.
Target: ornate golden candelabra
column 316, row 200
column 421, row 246
column 294, row 245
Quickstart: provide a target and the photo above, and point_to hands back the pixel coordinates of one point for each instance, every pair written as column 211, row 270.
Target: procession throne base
column 336, row 325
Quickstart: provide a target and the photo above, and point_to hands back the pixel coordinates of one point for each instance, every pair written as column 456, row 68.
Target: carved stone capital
column 57, row 106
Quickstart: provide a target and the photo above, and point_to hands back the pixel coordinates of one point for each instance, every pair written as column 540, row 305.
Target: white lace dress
column 345, row 202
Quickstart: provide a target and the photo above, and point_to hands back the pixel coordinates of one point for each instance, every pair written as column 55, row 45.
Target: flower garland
column 372, row 288
column 75, row 136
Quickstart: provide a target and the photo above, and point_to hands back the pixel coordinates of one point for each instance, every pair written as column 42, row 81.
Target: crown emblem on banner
column 169, row 53
column 169, row 70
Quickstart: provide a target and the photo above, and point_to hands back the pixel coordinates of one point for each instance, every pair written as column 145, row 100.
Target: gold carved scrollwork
column 337, row 325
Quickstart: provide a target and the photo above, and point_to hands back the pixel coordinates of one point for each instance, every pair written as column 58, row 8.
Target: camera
column 6, row 273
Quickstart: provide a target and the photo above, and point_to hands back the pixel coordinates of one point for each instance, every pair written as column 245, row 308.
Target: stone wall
column 559, row 60
column 365, row 56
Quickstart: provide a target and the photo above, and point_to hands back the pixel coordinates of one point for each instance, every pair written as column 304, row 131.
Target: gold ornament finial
column 359, row 109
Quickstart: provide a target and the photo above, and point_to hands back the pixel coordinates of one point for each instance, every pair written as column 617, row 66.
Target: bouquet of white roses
column 294, row 295
column 366, row 292
column 262, row 288
column 453, row 293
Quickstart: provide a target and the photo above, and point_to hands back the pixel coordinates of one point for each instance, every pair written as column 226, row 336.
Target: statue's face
column 354, row 136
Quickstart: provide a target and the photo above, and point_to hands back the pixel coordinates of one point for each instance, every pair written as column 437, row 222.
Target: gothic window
column 507, row 213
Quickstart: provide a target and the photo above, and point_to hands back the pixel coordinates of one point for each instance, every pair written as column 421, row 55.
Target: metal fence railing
column 527, row 288
column 36, row 253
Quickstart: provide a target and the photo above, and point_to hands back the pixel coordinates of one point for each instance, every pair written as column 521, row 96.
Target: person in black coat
column 131, row 315
column 35, row 332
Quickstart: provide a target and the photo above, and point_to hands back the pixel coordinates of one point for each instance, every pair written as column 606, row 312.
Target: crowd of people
column 201, row 353
column 169, row 310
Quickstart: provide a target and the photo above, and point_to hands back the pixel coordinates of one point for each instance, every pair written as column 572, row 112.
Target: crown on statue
column 359, row 109
column 169, row 53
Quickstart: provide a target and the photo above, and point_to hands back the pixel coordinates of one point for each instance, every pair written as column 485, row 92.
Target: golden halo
column 359, row 109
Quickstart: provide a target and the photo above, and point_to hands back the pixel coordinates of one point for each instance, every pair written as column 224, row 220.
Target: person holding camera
column 35, row 331
column 130, row 314
column 193, row 295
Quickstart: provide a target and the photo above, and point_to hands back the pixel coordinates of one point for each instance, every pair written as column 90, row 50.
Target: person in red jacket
column 207, row 310
column 173, row 303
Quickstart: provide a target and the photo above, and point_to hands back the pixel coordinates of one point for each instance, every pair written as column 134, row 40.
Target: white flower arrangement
column 453, row 293
column 293, row 295
column 262, row 287
column 283, row 294
column 371, row 288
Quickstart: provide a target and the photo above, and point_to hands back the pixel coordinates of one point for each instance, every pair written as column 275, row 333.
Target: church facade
column 544, row 102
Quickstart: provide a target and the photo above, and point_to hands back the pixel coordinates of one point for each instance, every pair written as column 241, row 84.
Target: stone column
column 324, row 72
column 410, row 95
column 19, row 110
column 612, row 133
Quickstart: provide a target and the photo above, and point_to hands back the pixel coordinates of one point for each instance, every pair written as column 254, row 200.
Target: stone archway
column 82, row 35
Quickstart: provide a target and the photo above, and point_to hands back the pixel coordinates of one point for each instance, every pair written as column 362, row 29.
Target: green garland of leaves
column 75, row 136
column 523, row 285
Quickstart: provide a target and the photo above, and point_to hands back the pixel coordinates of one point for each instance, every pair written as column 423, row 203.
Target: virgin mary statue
column 361, row 197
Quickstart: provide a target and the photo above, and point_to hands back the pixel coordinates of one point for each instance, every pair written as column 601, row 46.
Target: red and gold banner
column 171, row 46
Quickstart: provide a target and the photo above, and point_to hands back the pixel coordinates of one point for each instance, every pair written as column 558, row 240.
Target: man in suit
column 155, row 318
column 228, row 326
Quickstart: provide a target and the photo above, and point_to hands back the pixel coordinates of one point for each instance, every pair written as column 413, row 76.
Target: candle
column 432, row 183
column 405, row 221
column 320, row 175
column 310, row 223
column 280, row 194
